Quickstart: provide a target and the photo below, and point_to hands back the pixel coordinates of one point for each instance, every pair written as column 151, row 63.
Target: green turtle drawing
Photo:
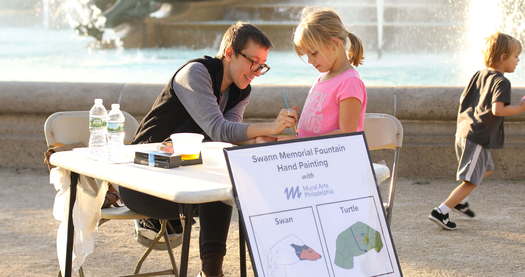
column 355, row 241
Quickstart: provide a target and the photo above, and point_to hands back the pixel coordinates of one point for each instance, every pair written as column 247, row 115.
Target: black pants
column 214, row 218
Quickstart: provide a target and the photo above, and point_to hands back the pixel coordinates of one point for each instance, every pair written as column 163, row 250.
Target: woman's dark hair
column 238, row 35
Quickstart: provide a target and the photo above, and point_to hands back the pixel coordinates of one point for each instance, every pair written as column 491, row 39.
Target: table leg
column 186, row 236
column 70, row 227
column 242, row 249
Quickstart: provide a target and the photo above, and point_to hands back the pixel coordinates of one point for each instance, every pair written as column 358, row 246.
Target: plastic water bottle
column 97, row 131
column 116, row 133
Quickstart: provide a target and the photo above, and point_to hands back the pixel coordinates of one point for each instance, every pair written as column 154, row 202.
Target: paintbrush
column 284, row 95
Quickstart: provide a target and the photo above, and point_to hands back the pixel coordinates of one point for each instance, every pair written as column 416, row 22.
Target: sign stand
column 311, row 207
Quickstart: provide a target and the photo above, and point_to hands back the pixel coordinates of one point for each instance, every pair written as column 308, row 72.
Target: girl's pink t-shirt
column 320, row 113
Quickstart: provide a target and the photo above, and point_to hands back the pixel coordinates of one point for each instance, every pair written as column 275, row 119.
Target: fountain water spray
column 485, row 18
column 57, row 13
column 45, row 13
column 380, row 8
column 85, row 17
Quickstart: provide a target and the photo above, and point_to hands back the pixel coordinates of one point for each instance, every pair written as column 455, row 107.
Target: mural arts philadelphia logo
column 307, row 191
column 293, row 192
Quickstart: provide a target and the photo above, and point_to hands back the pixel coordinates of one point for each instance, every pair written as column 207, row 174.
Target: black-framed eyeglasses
column 256, row 67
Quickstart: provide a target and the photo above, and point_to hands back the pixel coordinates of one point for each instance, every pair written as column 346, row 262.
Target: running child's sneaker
column 464, row 210
column 441, row 219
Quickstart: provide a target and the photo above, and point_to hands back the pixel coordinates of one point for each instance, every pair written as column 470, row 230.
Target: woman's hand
column 287, row 118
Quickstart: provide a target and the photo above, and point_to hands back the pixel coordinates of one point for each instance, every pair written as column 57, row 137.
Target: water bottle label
column 115, row 127
column 96, row 122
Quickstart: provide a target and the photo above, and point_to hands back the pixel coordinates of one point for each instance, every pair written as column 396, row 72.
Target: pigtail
column 355, row 51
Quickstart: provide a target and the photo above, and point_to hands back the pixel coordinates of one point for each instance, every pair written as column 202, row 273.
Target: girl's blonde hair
column 318, row 27
column 497, row 45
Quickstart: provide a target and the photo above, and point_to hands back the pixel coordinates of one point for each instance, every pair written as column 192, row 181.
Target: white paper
column 312, row 208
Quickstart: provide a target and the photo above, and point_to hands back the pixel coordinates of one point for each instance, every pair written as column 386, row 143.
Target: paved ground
column 491, row 245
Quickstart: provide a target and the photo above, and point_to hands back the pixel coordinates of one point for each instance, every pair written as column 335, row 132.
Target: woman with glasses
column 208, row 96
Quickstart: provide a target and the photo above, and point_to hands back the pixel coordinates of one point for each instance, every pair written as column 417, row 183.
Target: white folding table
column 187, row 185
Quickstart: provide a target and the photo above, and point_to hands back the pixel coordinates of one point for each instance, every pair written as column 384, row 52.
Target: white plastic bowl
column 186, row 143
column 213, row 155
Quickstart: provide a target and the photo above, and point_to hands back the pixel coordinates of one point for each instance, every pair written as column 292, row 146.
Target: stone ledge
column 406, row 103
column 428, row 115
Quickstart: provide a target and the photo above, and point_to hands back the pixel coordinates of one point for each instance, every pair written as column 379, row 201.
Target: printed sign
column 311, row 207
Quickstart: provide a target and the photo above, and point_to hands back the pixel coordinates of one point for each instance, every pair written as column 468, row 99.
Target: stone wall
column 428, row 115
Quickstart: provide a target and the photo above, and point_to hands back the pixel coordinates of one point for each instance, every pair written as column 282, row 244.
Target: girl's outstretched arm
column 349, row 113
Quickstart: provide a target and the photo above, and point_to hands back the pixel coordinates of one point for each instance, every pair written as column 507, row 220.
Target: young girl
column 336, row 102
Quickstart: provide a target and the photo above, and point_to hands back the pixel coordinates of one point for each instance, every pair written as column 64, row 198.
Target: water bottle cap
column 115, row 106
column 98, row 101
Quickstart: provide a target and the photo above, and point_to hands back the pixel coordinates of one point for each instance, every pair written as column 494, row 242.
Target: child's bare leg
column 487, row 174
column 459, row 193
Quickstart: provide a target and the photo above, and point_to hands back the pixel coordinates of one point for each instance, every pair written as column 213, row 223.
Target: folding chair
column 71, row 127
column 385, row 132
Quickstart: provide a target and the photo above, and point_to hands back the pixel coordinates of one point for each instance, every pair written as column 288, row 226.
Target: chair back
column 383, row 131
column 72, row 127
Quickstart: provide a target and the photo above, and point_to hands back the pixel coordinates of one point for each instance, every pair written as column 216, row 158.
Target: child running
column 482, row 107
column 336, row 102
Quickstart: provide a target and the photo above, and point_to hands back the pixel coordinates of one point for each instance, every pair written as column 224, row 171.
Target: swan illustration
column 287, row 252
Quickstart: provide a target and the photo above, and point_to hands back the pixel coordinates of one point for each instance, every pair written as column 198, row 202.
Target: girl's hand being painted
column 264, row 139
column 283, row 138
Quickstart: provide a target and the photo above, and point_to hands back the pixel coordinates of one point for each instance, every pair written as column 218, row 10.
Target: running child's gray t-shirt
column 476, row 121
